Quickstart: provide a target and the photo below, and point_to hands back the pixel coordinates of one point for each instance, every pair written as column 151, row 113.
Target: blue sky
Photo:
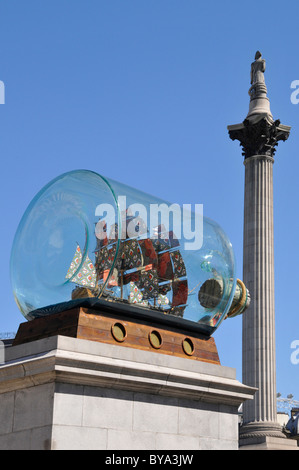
column 142, row 92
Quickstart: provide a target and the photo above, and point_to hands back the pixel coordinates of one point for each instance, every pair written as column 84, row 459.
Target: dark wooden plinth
column 89, row 324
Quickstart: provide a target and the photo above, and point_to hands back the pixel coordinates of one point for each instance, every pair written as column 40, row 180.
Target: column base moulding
column 261, row 429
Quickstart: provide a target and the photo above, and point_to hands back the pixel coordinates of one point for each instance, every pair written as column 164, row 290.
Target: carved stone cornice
column 259, row 136
column 91, row 363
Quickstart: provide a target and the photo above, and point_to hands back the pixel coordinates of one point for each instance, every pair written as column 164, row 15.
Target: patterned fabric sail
column 136, row 296
column 87, row 274
column 152, row 269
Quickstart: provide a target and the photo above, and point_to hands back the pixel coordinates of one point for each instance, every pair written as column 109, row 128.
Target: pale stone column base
column 264, row 436
column 268, row 443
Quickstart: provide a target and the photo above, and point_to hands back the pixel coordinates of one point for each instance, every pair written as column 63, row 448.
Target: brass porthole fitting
column 119, row 332
column 155, row 339
column 188, row 346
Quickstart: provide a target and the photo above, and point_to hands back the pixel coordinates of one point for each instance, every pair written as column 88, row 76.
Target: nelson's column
column 259, row 135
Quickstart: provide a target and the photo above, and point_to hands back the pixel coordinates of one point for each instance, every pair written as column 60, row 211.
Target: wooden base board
column 85, row 323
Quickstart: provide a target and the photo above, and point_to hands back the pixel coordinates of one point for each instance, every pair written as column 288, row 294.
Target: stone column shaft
column 258, row 274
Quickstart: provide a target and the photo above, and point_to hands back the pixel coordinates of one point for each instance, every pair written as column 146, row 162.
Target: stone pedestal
column 69, row 393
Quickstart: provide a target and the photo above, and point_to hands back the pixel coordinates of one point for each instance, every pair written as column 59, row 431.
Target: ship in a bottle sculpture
column 86, row 241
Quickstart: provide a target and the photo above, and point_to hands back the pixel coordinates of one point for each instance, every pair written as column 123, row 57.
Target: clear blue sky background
column 142, row 91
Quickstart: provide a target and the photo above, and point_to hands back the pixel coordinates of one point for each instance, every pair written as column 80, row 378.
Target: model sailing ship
column 138, row 270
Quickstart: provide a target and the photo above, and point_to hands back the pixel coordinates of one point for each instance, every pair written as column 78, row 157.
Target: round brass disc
column 155, row 339
column 119, row 332
column 188, row 346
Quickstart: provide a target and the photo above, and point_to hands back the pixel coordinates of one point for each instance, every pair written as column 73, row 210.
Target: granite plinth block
column 67, row 393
